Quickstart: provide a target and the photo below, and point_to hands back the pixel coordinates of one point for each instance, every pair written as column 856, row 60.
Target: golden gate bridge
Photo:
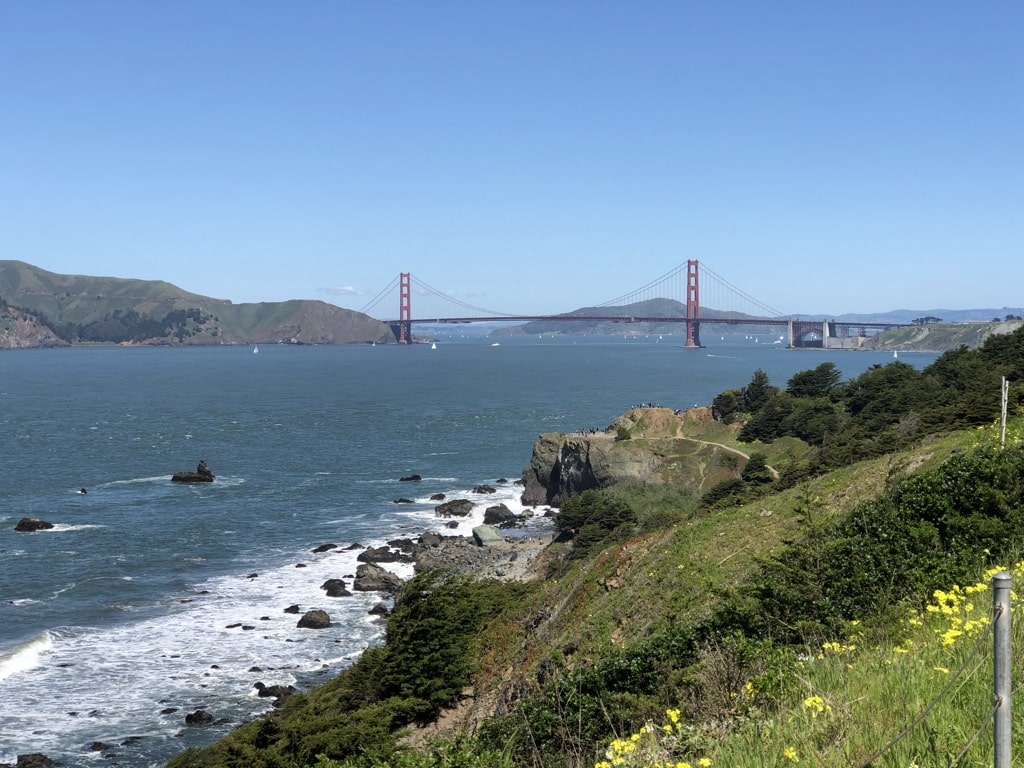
column 683, row 287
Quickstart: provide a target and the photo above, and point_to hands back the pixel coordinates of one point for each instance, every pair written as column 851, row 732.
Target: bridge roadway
column 831, row 334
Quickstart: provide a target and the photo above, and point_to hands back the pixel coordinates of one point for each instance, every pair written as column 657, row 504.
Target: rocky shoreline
column 505, row 547
column 510, row 559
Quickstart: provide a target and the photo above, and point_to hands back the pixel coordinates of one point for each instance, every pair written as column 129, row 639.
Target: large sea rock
column 30, row 524
column 644, row 445
column 201, row 475
column 370, row 577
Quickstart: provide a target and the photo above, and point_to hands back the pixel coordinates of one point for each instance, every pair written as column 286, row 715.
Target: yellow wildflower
column 950, row 635
column 817, row 705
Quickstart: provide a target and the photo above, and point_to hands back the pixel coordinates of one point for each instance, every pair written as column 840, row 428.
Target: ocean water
column 149, row 599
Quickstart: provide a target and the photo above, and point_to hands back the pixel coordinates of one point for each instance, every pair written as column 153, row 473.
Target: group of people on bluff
column 597, row 430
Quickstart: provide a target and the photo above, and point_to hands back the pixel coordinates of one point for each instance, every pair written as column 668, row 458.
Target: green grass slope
column 608, row 639
column 670, row 627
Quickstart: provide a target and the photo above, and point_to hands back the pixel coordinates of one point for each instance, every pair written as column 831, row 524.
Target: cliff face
column 644, row 445
column 21, row 331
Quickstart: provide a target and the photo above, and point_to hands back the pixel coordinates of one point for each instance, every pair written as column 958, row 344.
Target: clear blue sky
column 825, row 157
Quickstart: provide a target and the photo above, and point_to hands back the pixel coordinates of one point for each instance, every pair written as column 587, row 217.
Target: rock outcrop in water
column 30, row 524
column 644, row 445
column 201, row 475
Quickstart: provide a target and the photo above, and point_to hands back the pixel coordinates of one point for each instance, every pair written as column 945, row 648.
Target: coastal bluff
column 647, row 444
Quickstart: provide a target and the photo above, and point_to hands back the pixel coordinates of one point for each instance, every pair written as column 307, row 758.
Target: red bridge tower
column 404, row 309
column 692, row 304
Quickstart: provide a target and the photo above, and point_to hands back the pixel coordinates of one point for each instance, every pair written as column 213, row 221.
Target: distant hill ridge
column 955, row 333
column 41, row 308
column 45, row 309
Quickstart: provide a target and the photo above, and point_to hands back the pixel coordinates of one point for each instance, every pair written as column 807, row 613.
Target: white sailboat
column 255, row 349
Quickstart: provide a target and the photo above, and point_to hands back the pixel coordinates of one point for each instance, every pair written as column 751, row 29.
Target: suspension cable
column 465, row 305
column 632, row 294
column 760, row 304
column 378, row 298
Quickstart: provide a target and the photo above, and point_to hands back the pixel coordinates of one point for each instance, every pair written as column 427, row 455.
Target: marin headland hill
column 44, row 309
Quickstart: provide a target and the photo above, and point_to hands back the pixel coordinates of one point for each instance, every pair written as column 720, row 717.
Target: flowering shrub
column 838, row 715
column 651, row 747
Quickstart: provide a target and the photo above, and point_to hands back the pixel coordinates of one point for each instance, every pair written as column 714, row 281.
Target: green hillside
column 804, row 615
column 939, row 337
column 82, row 309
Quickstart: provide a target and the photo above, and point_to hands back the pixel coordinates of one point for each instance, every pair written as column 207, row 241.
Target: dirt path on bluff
column 666, row 423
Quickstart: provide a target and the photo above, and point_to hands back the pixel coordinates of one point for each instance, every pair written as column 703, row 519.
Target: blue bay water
column 149, row 599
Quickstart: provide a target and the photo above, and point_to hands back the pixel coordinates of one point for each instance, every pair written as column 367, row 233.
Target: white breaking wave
column 26, row 656
column 210, row 644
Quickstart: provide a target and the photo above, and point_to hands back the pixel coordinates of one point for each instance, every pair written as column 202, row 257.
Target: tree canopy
column 885, row 408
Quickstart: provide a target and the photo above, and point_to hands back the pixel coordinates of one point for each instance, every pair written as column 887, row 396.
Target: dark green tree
column 756, row 470
column 728, row 406
column 813, row 420
column 766, row 423
column 814, row 383
column 757, row 391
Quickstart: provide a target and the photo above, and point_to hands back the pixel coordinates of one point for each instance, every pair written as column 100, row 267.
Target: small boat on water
column 255, row 349
column 433, row 345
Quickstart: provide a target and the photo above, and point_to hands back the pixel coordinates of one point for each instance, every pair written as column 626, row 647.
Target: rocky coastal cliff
column 645, row 445
column 19, row 330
